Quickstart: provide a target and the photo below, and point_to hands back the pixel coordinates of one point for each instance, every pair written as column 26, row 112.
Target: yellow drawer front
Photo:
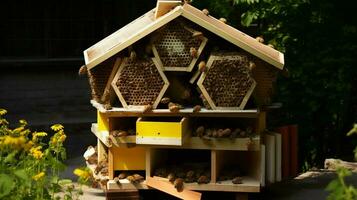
column 103, row 122
column 159, row 129
column 129, row 158
column 160, row 133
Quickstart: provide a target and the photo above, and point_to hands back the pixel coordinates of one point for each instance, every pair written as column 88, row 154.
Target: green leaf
column 247, row 18
column 6, row 185
column 64, row 181
column 21, row 173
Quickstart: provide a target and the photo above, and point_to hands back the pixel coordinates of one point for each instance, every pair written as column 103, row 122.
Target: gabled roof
column 147, row 24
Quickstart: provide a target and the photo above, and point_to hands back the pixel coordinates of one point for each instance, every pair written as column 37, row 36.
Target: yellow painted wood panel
column 159, row 129
column 103, row 122
column 128, row 158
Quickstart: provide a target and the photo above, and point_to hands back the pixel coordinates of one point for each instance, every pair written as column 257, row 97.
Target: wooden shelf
column 103, row 136
column 238, row 144
column 186, row 112
column 249, row 185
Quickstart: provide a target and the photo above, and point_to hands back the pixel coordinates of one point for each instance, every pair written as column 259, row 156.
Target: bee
column 205, row 11
column 251, row 65
column 203, row 180
column 260, row 39
column 132, row 55
column 148, row 108
column 196, row 109
column 237, row 180
column 178, row 184
column 83, row 70
column 271, row 46
column 122, row 175
column 226, row 132
column 174, row 107
column 165, row 100
column 197, row 34
column 200, row 131
column 131, row 179
column 122, row 134
column 116, row 180
column 193, row 52
column 107, row 106
column 138, row 178
column 202, row 66
column 171, row 177
column 223, row 20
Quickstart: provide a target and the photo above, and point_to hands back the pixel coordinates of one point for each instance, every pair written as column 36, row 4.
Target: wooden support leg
column 241, row 196
column 111, row 163
column 102, row 152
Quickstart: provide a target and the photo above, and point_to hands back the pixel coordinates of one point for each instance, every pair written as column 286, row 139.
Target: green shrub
column 29, row 166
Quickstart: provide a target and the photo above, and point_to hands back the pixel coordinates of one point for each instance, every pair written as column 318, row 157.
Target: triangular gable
column 234, row 36
column 127, row 36
column 147, row 24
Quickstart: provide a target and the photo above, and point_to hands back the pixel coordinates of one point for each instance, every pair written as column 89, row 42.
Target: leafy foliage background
column 318, row 38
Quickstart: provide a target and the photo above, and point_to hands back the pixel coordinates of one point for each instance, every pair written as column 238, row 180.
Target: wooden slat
column 187, row 112
column 234, row 36
column 126, row 36
column 170, row 189
column 163, row 7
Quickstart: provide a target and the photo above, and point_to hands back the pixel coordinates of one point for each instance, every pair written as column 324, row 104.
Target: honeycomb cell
column 139, row 83
column 173, row 44
column 227, row 83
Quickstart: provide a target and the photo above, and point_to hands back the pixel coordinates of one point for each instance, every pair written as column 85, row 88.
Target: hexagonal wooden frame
column 119, row 94
column 207, row 96
column 193, row 61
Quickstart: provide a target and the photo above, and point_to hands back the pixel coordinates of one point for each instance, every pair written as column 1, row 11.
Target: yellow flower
column 54, row 140
column 84, row 174
column 62, row 138
column 19, row 129
column 2, row 112
column 57, row 127
column 40, row 134
column 36, row 152
column 15, row 142
column 28, row 145
column 23, row 122
column 38, row 176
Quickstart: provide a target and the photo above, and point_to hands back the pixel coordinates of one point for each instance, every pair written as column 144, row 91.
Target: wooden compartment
column 178, row 161
column 162, row 131
column 227, row 165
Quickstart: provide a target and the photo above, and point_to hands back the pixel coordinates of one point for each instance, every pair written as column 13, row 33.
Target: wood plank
column 110, row 163
column 234, row 36
column 249, row 185
column 101, row 151
column 127, row 35
column 170, row 189
column 110, row 79
column 163, row 7
column 186, row 112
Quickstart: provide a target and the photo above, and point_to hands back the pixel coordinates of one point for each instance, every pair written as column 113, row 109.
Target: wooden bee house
column 216, row 125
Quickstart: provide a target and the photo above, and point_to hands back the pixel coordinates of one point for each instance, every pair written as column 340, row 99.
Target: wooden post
column 111, row 163
column 102, row 152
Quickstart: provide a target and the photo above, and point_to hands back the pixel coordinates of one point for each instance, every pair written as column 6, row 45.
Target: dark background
column 42, row 44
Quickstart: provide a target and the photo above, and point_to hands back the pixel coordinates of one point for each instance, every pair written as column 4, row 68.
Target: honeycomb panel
column 227, row 82
column 173, row 46
column 139, row 83
column 98, row 78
